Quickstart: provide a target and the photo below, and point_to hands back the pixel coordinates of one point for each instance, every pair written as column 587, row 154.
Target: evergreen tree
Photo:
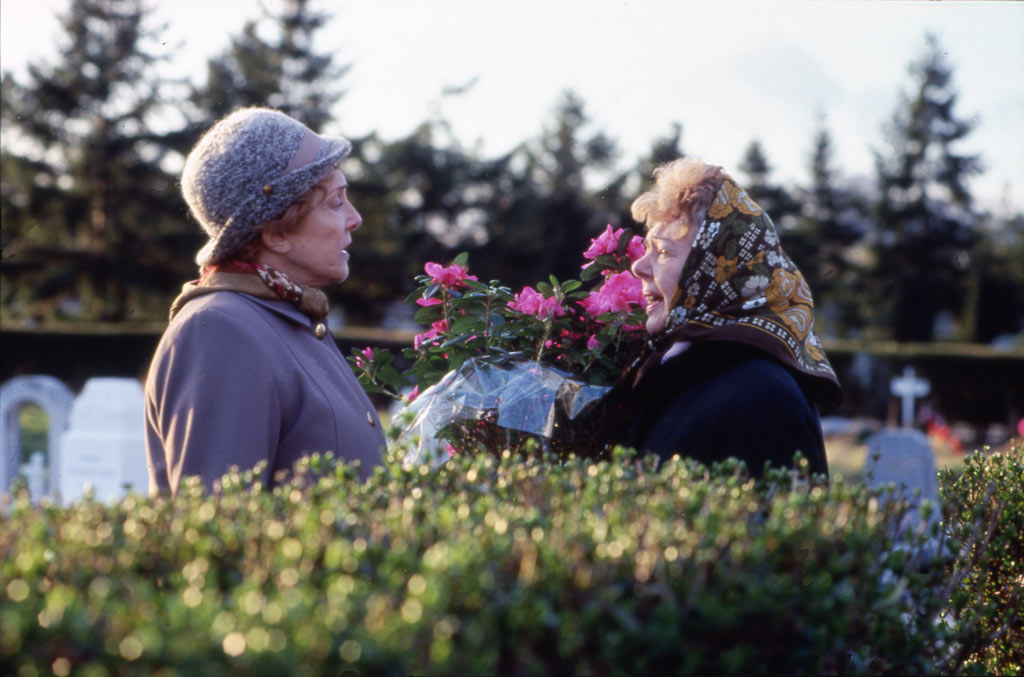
column 664, row 149
column 832, row 219
column 282, row 72
column 995, row 288
column 521, row 216
column 926, row 219
column 88, row 210
column 422, row 198
column 780, row 205
column 620, row 193
column 773, row 197
column 547, row 228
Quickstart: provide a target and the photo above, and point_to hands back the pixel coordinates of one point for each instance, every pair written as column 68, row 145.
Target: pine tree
column 422, row 198
column 773, row 197
column 620, row 193
column 777, row 201
column 832, row 219
column 282, row 72
column 926, row 219
column 566, row 212
column 90, row 215
column 995, row 288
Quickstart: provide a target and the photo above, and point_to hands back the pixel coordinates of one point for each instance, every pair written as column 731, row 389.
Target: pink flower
column 593, row 343
column 411, row 397
column 532, row 302
column 606, row 243
column 452, row 276
column 428, row 302
column 436, row 329
column 364, row 358
column 618, row 293
column 636, row 249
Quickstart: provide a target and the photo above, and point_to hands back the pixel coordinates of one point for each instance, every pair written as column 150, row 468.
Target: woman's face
column 659, row 269
column 314, row 253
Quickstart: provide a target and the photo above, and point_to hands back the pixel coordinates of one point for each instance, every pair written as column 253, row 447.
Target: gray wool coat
column 237, row 380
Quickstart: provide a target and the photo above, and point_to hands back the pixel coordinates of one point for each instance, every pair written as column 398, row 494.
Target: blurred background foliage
column 94, row 228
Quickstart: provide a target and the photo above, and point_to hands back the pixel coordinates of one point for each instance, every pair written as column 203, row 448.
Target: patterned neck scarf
column 738, row 285
column 275, row 280
column 258, row 280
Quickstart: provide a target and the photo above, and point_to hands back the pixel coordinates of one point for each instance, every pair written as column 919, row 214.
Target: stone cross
column 908, row 388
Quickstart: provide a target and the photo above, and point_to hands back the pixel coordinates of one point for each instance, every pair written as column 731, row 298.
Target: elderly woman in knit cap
column 734, row 367
column 247, row 371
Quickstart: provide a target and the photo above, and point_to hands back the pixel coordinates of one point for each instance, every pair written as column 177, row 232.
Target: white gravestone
column 104, row 446
column 905, row 458
column 55, row 399
column 909, row 388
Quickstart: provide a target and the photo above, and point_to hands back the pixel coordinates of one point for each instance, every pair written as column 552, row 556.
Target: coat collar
column 254, row 289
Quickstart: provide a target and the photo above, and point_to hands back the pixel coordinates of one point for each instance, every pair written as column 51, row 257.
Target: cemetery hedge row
column 519, row 566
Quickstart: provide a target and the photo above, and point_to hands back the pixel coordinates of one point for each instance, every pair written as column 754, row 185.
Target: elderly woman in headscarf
column 247, row 371
column 734, row 368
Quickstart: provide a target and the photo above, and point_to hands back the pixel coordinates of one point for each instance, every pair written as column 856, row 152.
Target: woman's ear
column 276, row 241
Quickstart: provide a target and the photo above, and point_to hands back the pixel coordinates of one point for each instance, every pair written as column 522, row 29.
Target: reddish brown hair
column 683, row 190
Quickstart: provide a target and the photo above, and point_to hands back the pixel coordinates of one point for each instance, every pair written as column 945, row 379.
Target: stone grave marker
column 104, row 446
column 903, row 457
column 54, row 398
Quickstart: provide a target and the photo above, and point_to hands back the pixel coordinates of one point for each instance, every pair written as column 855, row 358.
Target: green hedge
column 512, row 566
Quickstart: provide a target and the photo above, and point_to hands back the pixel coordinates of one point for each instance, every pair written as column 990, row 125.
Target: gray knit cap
column 247, row 170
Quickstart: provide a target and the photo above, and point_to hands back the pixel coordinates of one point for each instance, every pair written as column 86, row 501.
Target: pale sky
column 727, row 71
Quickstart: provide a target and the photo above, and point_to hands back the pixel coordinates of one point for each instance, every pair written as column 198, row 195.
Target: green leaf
column 428, row 314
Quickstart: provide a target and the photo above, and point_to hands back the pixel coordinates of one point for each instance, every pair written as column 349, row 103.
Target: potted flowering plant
column 496, row 368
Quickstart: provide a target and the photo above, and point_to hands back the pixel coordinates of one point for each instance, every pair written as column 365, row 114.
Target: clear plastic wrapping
column 524, row 396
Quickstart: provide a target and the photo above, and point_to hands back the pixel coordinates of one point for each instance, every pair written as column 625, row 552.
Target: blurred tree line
column 94, row 227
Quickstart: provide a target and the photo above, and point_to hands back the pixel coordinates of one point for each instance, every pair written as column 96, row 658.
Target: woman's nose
column 640, row 267
column 355, row 220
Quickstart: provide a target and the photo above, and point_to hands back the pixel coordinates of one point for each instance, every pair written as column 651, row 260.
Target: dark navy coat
column 718, row 400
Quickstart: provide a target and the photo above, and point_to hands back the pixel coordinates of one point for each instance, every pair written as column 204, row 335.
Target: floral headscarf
column 738, row 285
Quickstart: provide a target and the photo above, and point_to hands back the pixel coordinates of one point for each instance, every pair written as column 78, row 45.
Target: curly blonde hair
column 683, row 191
